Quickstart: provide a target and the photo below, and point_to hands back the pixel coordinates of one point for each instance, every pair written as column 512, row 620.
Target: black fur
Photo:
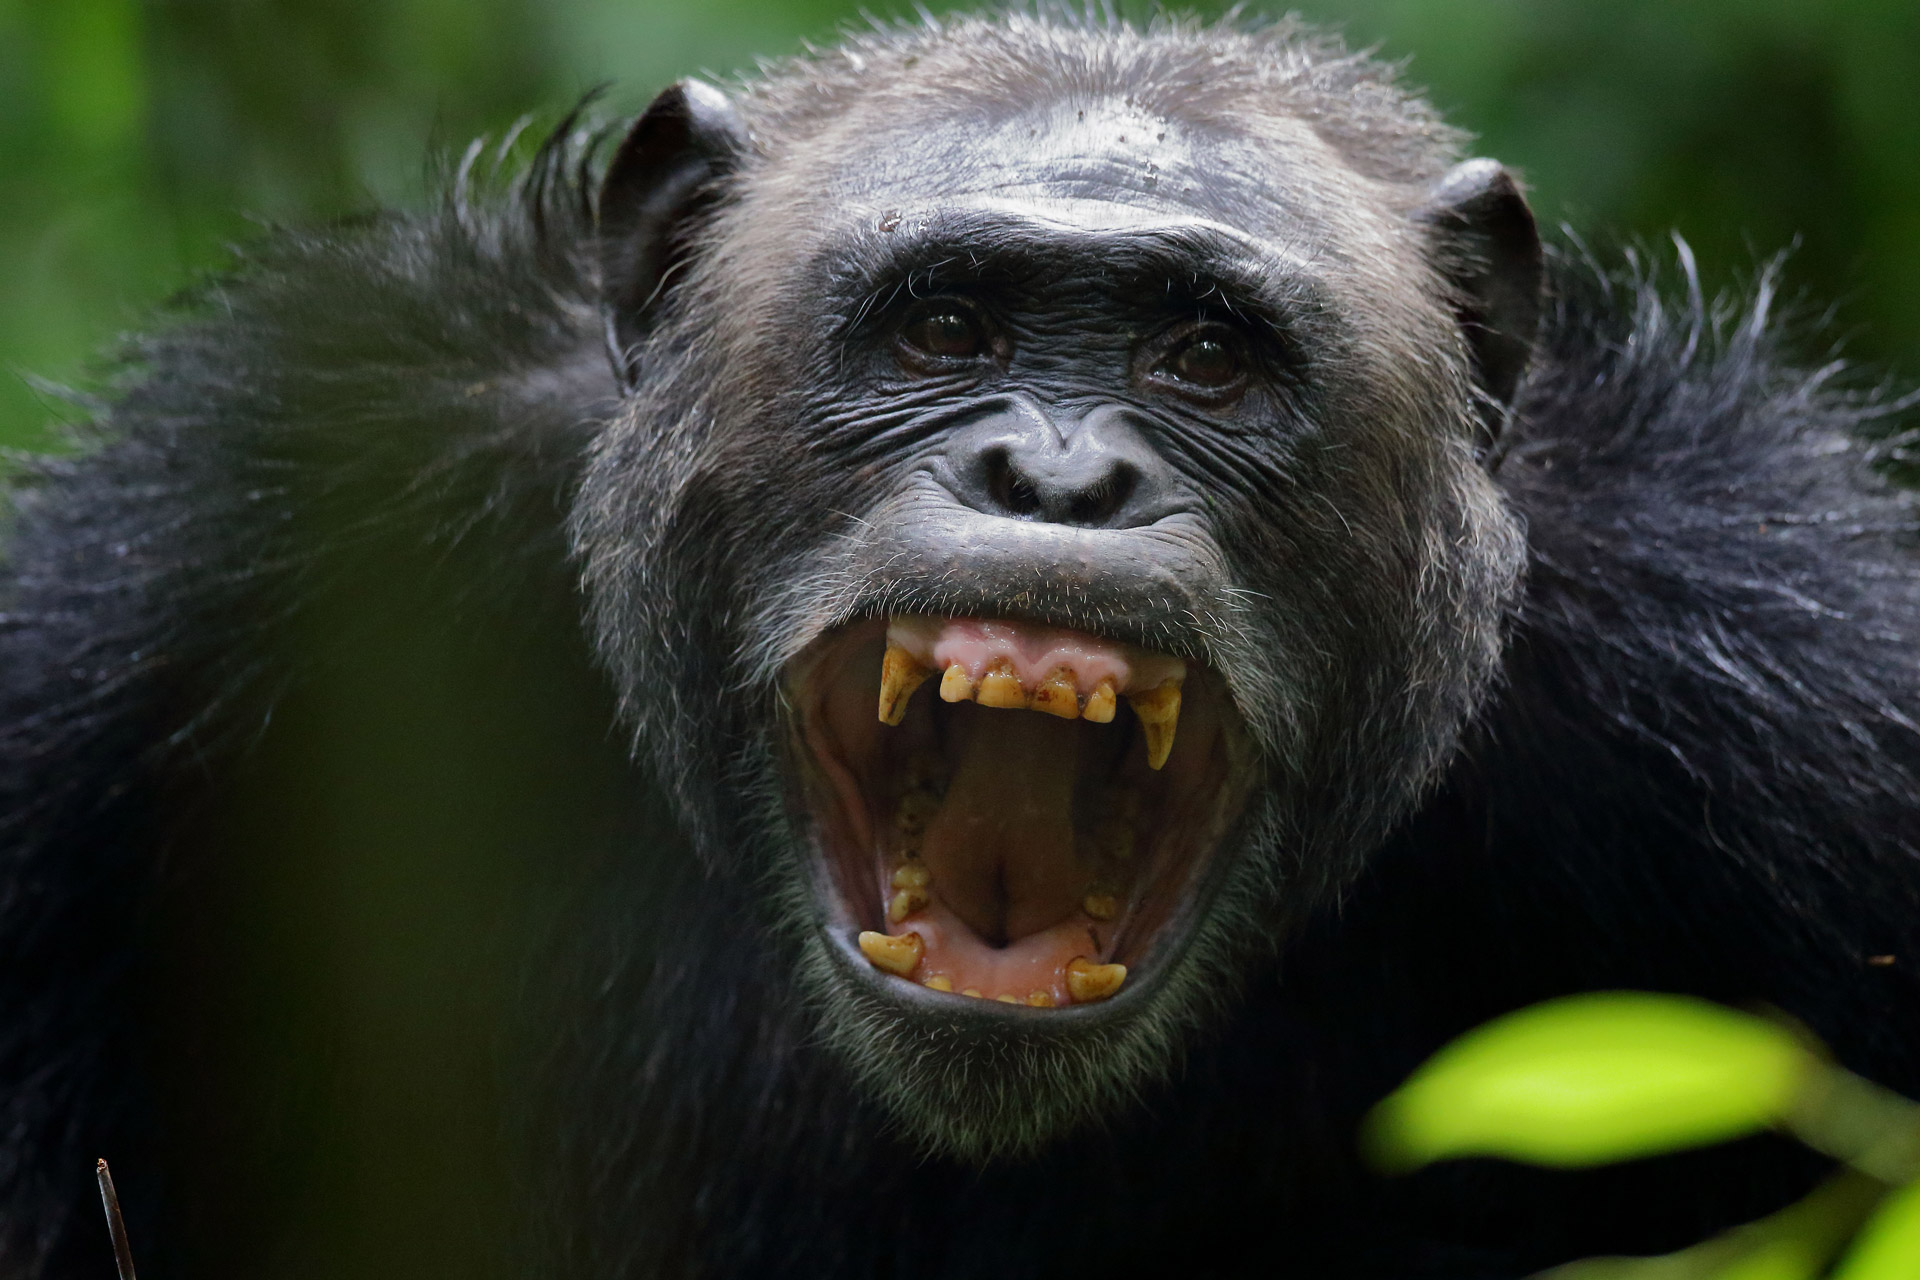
column 349, row 466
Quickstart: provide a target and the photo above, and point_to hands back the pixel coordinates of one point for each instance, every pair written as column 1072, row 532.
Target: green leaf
column 1775, row 1260
column 1888, row 1247
column 1593, row 1079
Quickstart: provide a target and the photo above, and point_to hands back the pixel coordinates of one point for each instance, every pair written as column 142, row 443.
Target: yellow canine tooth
column 896, row 955
column 905, row 903
column 1159, row 712
column 999, row 687
column 938, row 982
column 1057, row 696
column 956, row 685
column 1087, row 981
column 900, row 674
column 1100, row 703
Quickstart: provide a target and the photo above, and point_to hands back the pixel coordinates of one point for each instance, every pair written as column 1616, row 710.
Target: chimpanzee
column 1009, row 622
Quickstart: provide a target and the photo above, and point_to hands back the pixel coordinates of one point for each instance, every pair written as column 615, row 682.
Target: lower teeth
column 1108, row 847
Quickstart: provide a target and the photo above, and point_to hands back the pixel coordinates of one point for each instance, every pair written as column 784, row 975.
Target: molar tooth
column 938, row 982
column 1087, row 981
column 905, row 903
column 900, row 674
column 1101, row 906
column 999, row 687
column 1100, row 703
column 1159, row 712
column 912, row 875
column 956, row 685
column 1040, row 999
column 898, row 955
column 1057, row 696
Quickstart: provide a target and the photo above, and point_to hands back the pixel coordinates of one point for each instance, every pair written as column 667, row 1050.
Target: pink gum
column 1035, row 652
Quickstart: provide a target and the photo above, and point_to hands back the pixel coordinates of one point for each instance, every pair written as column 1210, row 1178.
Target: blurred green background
column 139, row 138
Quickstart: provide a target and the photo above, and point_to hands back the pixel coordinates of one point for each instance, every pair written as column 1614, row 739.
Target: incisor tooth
column 896, row 955
column 1040, row 999
column 1001, row 688
column 971, row 992
column 1087, row 981
column 900, row 674
column 956, row 685
column 1057, row 696
column 1008, row 999
column 905, row 903
column 1100, row 703
column 911, row 875
column 1159, row 712
column 938, row 982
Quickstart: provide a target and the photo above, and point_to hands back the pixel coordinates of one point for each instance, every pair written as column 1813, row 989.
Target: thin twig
column 122, row 1252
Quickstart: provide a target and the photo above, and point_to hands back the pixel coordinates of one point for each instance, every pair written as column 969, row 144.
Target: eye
column 944, row 331
column 1207, row 361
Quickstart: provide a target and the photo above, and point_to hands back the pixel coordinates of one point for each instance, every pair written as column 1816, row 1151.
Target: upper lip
column 925, row 553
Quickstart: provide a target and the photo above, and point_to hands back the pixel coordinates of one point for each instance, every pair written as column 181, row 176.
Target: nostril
column 1022, row 498
column 1096, row 503
column 1011, row 491
column 1093, row 479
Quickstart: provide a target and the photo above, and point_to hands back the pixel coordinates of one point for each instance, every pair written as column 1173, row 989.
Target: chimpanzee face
column 1072, row 555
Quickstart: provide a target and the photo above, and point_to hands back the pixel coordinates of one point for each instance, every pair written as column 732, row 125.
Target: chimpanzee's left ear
column 1489, row 249
column 660, row 180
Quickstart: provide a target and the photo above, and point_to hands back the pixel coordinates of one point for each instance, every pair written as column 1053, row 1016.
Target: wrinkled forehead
column 1093, row 174
column 1095, row 164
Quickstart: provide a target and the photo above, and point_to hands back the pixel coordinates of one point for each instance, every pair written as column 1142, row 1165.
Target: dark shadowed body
column 412, row 701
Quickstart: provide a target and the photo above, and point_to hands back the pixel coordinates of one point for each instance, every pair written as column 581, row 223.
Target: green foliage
column 1595, row 1079
column 1889, row 1246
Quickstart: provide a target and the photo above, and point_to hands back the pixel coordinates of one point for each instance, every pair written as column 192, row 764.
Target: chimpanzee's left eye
column 1205, row 361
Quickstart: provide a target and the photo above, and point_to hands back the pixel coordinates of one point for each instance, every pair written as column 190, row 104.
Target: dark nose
column 1094, row 469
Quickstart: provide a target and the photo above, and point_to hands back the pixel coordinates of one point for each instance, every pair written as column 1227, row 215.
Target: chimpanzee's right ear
column 665, row 172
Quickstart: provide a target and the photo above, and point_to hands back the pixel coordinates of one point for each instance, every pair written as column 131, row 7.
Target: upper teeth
column 1158, row 708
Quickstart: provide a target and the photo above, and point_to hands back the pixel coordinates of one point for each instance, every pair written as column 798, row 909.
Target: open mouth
column 1013, row 812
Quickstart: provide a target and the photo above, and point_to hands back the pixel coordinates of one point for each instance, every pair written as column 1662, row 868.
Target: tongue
column 1001, row 849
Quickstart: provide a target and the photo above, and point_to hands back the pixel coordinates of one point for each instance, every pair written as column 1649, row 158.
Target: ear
column 663, row 175
column 1489, row 250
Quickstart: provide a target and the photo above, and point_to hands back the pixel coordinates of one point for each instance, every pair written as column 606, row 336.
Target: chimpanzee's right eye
column 944, row 330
